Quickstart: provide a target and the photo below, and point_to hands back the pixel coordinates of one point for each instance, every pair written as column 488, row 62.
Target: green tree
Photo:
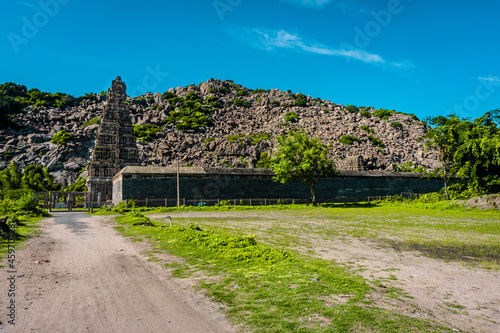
column 468, row 148
column 37, row 178
column 8, row 107
column 301, row 157
column 10, row 178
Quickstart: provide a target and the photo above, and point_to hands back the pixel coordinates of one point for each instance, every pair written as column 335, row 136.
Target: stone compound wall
column 206, row 183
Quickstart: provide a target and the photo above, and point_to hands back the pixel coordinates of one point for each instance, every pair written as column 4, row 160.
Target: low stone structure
column 136, row 182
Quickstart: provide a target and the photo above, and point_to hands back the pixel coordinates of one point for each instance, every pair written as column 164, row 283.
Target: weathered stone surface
column 266, row 114
column 115, row 144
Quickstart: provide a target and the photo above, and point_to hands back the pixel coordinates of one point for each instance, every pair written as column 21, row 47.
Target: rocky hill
column 217, row 124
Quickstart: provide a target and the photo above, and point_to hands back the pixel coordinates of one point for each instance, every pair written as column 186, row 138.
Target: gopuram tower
column 115, row 145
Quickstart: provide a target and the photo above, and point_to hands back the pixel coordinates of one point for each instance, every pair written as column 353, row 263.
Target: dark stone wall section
column 344, row 188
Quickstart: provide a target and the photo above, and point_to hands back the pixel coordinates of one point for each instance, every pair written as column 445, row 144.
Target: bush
column 241, row 102
column 242, row 92
column 224, row 90
column 300, row 100
column 209, row 140
column 90, row 97
column 397, row 125
column 349, row 139
column 265, row 161
column 366, row 114
column 8, row 107
column 292, row 117
column 259, row 91
column 273, row 103
column 409, row 167
column 174, row 100
column 367, row 129
column 376, row 141
column 236, row 138
column 168, row 95
column 352, row 108
column 93, row 121
column 146, row 132
column 193, row 97
column 61, row 138
column 191, row 116
column 383, row 113
column 258, row 138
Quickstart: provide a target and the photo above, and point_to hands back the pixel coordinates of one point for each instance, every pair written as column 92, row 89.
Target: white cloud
column 29, row 5
column 272, row 40
column 310, row 3
column 489, row 78
column 346, row 6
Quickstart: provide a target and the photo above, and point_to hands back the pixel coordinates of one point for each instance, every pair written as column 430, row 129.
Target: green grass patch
column 26, row 226
column 269, row 288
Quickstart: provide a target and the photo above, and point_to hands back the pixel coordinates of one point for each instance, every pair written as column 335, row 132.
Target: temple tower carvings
column 115, row 145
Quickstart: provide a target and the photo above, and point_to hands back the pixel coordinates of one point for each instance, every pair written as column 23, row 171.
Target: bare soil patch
column 80, row 275
column 453, row 293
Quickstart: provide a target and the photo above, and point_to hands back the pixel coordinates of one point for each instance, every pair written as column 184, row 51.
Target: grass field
column 262, row 266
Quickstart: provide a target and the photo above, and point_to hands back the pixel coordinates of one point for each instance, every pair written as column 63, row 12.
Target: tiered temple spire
column 115, row 145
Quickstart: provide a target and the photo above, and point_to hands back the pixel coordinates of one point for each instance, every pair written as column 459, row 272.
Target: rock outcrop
column 259, row 112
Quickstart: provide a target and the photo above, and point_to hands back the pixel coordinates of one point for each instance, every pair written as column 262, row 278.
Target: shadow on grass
column 463, row 252
column 349, row 205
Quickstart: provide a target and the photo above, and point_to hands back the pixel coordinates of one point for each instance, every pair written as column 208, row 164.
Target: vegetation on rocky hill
column 213, row 124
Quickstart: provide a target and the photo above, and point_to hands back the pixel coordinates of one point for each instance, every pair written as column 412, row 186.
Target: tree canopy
column 301, row 157
column 469, row 148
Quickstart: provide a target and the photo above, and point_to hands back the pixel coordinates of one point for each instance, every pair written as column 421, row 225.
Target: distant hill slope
column 218, row 124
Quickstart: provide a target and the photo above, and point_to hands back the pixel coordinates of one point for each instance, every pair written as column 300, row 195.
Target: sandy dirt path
column 80, row 275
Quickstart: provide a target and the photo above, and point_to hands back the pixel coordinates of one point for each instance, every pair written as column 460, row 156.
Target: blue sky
column 417, row 56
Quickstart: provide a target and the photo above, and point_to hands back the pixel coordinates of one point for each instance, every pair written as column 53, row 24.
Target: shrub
column 397, row 125
column 325, row 110
column 242, row 102
column 258, row 138
column 409, row 167
column 146, row 132
column 300, row 99
column 211, row 99
column 224, row 90
column 209, row 140
column 190, row 116
column 193, row 97
column 236, row 138
column 292, row 117
column 349, row 139
column 383, row 113
column 367, row 129
column 376, row 141
column 61, row 138
column 93, row 121
column 90, row 97
column 273, row 103
column 242, row 92
column 168, row 95
column 264, row 162
column 174, row 100
column 352, row 108
column 366, row 114
column 259, row 91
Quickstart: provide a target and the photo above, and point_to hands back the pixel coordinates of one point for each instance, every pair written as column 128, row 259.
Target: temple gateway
column 115, row 145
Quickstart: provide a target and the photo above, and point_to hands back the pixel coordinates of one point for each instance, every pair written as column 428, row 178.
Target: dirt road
column 80, row 275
